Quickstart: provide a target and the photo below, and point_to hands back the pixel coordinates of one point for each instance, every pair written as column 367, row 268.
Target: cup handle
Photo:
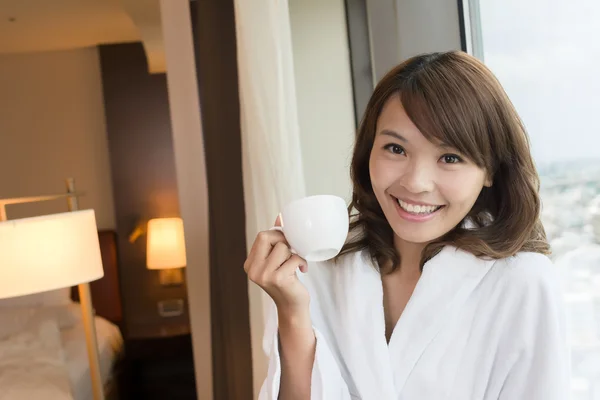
column 278, row 228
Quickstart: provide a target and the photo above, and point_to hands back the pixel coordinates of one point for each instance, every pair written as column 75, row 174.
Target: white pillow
column 58, row 297
column 32, row 364
column 14, row 320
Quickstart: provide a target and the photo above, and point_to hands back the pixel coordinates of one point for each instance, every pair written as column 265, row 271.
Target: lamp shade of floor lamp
column 50, row 252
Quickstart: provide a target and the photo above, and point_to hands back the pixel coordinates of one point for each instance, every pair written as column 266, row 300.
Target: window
column 546, row 54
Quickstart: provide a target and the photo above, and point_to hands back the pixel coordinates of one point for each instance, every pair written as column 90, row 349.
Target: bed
column 44, row 333
column 109, row 349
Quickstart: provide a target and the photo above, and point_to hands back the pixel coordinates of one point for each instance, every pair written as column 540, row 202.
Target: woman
column 444, row 289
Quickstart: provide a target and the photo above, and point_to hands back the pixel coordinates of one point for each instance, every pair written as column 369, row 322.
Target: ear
column 488, row 181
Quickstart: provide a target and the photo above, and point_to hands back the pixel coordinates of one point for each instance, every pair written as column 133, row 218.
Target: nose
column 418, row 178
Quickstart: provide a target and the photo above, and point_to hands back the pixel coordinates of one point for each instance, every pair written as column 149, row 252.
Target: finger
column 302, row 263
column 263, row 244
column 304, row 267
column 280, row 254
column 289, row 267
column 273, row 236
column 266, row 258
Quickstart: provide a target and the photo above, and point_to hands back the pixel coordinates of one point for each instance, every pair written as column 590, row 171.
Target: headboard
column 106, row 293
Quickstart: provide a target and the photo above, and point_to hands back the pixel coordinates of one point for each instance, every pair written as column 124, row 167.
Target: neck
column 410, row 255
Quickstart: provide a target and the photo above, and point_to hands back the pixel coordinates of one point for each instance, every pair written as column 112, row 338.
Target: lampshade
column 48, row 252
column 166, row 244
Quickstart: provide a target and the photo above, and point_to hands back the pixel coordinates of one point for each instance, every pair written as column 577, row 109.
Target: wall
column 191, row 181
column 426, row 26
column 400, row 29
column 324, row 93
column 52, row 127
column 144, row 181
column 384, row 34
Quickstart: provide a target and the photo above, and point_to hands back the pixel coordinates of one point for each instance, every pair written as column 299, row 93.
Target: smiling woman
column 422, row 142
column 443, row 289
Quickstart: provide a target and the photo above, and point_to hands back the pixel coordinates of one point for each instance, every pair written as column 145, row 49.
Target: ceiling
column 45, row 25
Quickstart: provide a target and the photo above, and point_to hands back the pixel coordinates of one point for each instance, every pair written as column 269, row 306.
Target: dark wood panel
column 214, row 32
column 144, row 180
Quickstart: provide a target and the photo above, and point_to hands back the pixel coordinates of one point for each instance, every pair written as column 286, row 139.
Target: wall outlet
column 170, row 307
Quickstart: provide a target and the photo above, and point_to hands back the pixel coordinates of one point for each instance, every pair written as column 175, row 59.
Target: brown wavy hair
column 454, row 98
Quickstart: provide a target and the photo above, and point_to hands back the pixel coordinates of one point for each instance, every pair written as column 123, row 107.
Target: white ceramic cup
column 315, row 227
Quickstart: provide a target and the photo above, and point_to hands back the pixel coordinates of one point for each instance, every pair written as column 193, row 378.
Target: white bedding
column 32, row 364
column 34, row 360
column 110, row 342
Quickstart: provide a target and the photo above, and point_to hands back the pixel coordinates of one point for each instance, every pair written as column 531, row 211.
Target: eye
column 394, row 148
column 451, row 159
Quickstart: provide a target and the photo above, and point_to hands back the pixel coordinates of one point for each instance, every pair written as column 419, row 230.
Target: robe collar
column 447, row 281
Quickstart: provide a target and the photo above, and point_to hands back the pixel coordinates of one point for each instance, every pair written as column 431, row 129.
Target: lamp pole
column 85, row 298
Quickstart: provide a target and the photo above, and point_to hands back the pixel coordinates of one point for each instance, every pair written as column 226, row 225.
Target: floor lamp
column 50, row 252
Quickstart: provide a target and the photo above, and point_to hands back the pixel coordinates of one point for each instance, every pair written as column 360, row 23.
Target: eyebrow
column 396, row 135
column 401, row 138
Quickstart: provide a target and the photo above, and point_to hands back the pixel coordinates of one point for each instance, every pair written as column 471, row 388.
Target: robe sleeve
column 327, row 382
column 542, row 368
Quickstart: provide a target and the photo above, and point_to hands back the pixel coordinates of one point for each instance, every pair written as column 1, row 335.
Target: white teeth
column 417, row 209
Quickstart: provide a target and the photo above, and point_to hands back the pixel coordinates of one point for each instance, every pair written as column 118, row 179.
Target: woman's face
column 425, row 189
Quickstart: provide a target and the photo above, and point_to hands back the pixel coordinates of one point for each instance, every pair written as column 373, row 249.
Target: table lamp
column 50, row 252
column 165, row 249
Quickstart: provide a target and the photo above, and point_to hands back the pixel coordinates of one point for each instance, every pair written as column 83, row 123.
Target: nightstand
column 158, row 364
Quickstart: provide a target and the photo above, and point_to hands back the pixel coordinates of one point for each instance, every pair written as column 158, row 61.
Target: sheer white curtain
column 272, row 159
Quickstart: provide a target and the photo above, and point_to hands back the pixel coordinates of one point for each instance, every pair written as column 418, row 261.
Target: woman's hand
column 272, row 266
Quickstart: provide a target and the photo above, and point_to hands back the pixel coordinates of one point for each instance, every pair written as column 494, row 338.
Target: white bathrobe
column 473, row 329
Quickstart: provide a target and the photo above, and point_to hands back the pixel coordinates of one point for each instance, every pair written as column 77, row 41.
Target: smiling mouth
column 417, row 209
